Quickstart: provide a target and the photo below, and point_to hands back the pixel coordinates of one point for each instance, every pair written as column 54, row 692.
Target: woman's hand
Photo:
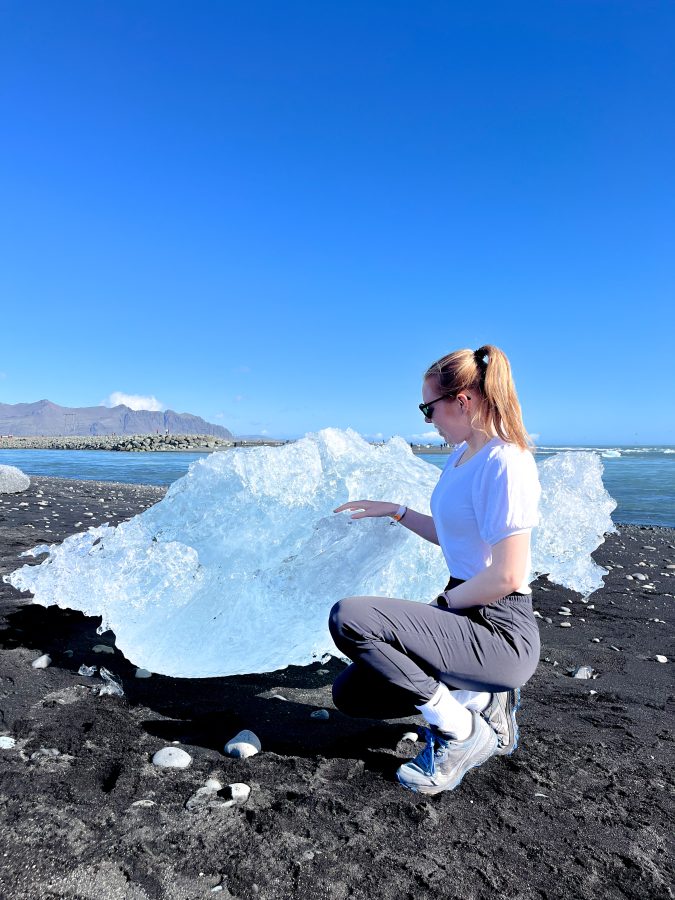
column 371, row 508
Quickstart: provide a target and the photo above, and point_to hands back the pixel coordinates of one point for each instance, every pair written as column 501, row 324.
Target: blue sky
column 277, row 215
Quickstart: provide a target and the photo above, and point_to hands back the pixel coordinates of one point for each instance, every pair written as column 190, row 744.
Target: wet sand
column 582, row 809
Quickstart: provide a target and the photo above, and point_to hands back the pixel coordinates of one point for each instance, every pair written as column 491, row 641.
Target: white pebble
column 171, row 758
column 244, row 744
column 596, row 640
column 103, row 648
column 239, row 794
column 42, row 661
column 565, row 624
column 660, row 658
column 143, row 803
column 410, row 736
column 277, row 697
column 6, row 742
column 592, row 693
column 537, row 614
column 320, row 714
column 564, row 612
column 143, row 673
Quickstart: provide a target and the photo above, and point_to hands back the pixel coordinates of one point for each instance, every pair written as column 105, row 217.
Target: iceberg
column 236, row 569
column 13, row 480
column 574, row 516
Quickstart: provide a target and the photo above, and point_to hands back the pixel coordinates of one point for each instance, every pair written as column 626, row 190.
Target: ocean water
column 641, row 479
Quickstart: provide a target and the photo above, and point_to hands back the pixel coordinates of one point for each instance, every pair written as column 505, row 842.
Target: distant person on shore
column 460, row 660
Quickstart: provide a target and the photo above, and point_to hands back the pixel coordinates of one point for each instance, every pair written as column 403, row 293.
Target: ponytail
column 486, row 370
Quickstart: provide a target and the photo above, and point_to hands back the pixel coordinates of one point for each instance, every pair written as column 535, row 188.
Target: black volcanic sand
column 582, row 809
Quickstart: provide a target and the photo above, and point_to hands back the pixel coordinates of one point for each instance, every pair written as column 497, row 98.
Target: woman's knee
column 343, row 612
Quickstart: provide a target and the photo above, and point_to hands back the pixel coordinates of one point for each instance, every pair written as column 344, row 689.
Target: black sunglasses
column 427, row 409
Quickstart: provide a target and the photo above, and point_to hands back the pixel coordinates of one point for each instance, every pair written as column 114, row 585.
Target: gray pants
column 402, row 649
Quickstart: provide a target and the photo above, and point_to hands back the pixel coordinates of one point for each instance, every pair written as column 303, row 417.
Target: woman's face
column 448, row 415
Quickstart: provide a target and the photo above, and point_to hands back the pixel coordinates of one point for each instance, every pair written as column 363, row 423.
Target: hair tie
column 479, row 357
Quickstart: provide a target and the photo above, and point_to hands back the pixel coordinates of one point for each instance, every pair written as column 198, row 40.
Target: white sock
column 476, row 700
column 447, row 714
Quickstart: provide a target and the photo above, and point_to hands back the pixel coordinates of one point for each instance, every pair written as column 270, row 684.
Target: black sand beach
column 582, row 809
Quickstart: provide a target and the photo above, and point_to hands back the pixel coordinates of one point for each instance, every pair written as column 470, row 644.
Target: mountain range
column 47, row 418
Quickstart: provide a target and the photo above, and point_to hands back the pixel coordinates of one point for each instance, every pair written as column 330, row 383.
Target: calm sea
column 641, row 479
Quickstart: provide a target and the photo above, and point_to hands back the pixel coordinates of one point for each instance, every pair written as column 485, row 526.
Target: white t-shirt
column 475, row 505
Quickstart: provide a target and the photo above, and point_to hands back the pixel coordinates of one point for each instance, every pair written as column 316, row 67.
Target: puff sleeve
column 506, row 495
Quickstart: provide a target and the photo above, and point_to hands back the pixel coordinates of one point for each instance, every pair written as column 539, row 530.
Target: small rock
column 646, row 547
column 320, row 714
column 537, row 614
column 596, row 640
column 549, row 620
column 239, row 794
column 638, row 576
column 244, row 744
column 103, row 648
column 563, row 612
column 410, row 736
column 612, row 647
column 592, row 693
column 660, row 658
column 142, row 673
column 565, row 609
column 42, row 661
column 144, row 803
column 68, row 653
column 277, row 697
column 6, row 742
column 171, row 758
column 565, row 624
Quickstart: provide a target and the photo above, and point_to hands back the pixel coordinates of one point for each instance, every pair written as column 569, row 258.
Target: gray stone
column 42, row 661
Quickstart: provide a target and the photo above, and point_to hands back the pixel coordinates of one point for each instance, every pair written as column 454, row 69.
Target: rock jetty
column 135, row 443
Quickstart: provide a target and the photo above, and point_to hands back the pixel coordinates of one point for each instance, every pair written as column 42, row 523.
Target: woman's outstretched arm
column 412, row 520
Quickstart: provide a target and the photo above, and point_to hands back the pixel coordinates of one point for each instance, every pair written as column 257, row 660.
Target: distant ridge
column 47, row 418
